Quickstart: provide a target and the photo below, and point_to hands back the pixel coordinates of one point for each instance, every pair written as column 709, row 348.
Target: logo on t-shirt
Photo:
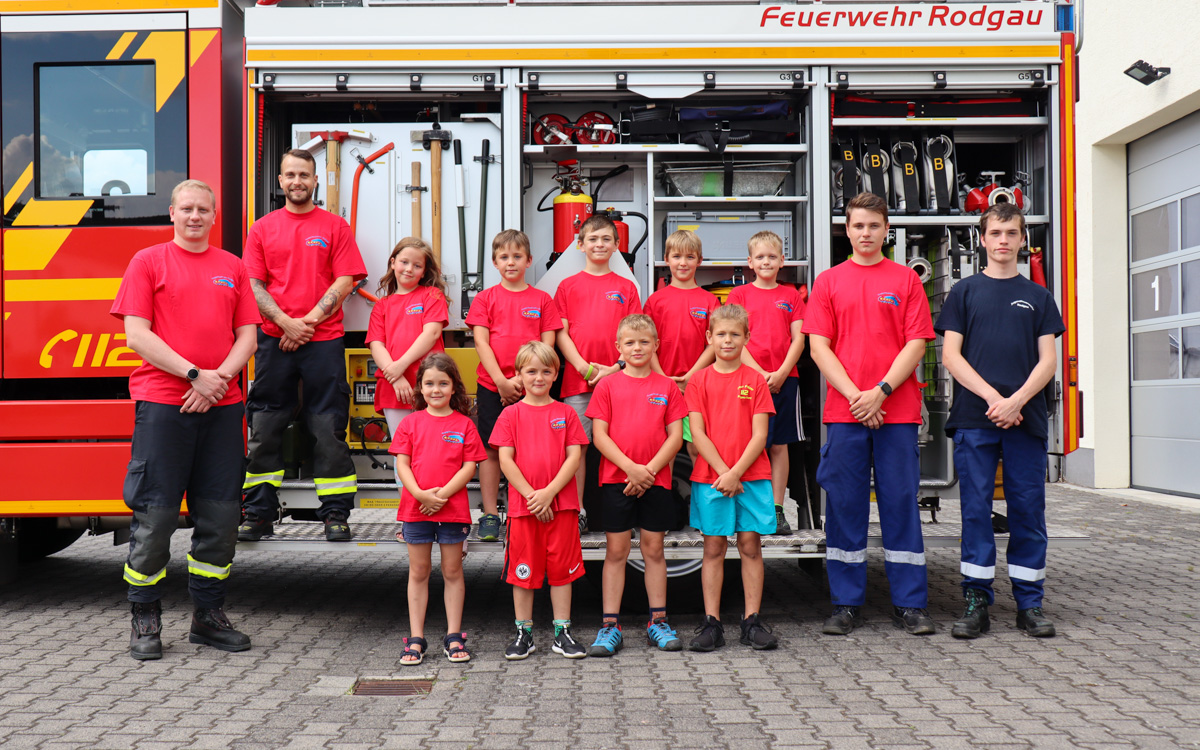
column 415, row 309
column 888, row 298
column 615, row 297
column 699, row 313
column 451, row 436
column 531, row 312
column 1022, row 304
column 523, row 572
column 223, row 281
column 317, row 241
column 558, row 423
column 745, row 392
column 784, row 305
column 657, row 399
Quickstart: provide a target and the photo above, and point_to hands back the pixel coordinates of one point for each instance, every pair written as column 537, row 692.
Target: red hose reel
column 591, row 128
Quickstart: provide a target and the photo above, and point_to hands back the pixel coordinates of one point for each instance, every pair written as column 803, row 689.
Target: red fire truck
column 724, row 117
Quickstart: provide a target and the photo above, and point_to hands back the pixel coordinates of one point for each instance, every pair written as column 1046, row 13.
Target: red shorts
column 537, row 551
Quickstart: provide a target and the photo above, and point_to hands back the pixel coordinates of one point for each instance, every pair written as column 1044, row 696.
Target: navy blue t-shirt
column 1000, row 321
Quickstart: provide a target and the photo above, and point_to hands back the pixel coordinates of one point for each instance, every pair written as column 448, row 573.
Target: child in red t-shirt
column 539, row 440
column 776, row 318
column 729, row 404
column 503, row 318
column 592, row 303
column 436, row 451
column 680, row 313
column 405, row 326
column 637, row 422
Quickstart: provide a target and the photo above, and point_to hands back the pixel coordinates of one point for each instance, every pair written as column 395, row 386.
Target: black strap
column 905, row 154
column 846, row 108
column 728, row 178
column 873, row 161
column 846, row 151
column 943, row 176
column 969, row 108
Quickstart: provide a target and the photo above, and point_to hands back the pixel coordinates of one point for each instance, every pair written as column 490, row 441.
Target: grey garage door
column 1164, row 305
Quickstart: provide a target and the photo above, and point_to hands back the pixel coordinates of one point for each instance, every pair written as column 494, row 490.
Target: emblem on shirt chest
column 316, row 241
column 745, row 392
column 888, row 298
column 558, row 423
column 657, row 399
column 450, row 436
column 615, row 297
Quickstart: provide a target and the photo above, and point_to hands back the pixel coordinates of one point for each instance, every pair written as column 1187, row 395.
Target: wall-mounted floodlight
column 1145, row 73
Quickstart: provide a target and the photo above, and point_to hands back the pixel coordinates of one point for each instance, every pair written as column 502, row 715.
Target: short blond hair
column 765, row 237
column 193, row 185
column 684, row 241
column 539, row 351
column 637, row 322
column 730, row 313
column 510, row 237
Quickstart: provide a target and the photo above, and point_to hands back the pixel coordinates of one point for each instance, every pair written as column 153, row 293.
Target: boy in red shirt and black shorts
column 503, row 318
column 868, row 324
column 729, row 405
column 540, row 445
column 637, row 423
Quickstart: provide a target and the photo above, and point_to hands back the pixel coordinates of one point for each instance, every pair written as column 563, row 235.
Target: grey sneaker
column 781, row 523
column 843, row 621
column 489, row 527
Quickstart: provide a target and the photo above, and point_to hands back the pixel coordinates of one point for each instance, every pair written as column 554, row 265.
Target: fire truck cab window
column 95, row 130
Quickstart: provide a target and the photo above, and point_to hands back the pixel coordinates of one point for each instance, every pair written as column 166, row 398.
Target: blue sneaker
column 663, row 637
column 608, row 641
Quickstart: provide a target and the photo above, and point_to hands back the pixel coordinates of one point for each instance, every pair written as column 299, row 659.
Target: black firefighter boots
column 211, row 627
column 145, row 641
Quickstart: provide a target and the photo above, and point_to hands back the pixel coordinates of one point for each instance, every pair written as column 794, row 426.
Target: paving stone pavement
column 1123, row 673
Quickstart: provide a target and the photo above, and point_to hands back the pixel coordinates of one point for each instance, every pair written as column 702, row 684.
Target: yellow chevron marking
column 42, row 213
column 165, row 48
column 10, row 198
column 60, row 290
column 121, row 45
column 32, row 249
column 200, row 40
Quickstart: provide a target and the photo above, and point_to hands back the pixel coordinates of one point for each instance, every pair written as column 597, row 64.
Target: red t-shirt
column 681, row 316
column 437, row 448
column 299, row 256
column 193, row 301
column 592, row 307
column 772, row 312
column 513, row 319
column 727, row 403
column 869, row 313
column 396, row 321
column 638, row 411
column 540, row 435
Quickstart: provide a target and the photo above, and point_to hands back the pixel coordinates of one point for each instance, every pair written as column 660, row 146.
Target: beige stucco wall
column 1113, row 110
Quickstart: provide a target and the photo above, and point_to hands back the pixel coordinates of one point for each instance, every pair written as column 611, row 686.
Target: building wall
column 1113, row 110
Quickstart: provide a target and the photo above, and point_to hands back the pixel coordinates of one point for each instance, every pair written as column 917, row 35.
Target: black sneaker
column 843, row 621
column 915, row 621
column 710, row 635
column 489, row 527
column 522, row 647
column 757, row 634
column 211, row 627
column 975, row 620
column 781, row 523
column 253, row 528
column 145, row 639
column 1034, row 622
column 565, row 644
column 336, row 528
column 583, row 522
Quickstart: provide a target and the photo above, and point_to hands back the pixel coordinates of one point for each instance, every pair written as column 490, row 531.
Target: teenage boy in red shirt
column 868, row 324
column 776, row 317
column 303, row 262
column 637, row 423
column 504, row 318
column 592, row 303
column 540, row 444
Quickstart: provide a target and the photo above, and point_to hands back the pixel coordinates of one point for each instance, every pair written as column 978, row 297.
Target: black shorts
column 653, row 511
column 488, row 407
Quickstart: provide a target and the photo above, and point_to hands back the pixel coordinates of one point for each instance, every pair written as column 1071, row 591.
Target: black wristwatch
column 621, row 364
column 192, row 374
column 883, row 386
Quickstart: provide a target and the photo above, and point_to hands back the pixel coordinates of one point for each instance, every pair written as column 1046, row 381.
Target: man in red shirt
column 187, row 436
column 868, row 323
column 303, row 262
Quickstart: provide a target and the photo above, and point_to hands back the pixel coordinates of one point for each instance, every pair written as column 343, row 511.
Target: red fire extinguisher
column 572, row 207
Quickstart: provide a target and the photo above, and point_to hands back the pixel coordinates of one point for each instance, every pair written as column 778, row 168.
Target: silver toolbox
column 724, row 234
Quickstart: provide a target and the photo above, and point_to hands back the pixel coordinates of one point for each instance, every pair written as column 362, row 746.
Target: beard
column 298, row 199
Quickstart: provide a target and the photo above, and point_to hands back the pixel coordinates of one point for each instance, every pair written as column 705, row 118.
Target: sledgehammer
column 434, row 141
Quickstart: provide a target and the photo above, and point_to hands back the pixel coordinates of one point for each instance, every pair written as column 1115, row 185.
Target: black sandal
column 409, row 642
column 457, row 652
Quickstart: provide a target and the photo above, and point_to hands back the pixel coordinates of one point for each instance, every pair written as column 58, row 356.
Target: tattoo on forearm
column 266, row 303
column 329, row 302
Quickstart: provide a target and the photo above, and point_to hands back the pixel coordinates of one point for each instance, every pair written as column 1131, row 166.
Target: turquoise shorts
column 713, row 514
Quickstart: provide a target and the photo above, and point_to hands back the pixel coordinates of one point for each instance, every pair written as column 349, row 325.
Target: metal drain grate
column 392, row 687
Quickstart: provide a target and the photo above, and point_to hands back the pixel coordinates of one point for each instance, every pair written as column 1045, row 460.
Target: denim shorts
column 428, row 532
